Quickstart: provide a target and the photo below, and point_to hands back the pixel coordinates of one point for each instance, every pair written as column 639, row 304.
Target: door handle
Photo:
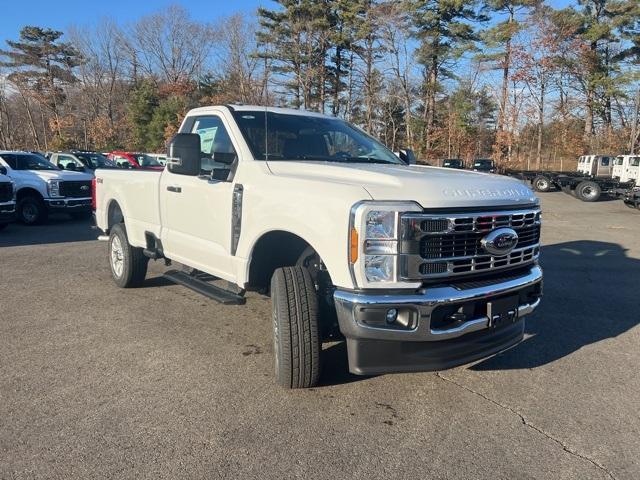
column 173, row 188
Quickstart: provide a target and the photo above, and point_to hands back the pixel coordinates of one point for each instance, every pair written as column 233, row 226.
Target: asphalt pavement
column 160, row 382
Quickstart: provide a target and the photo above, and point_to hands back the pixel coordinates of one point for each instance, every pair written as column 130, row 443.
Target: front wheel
column 296, row 336
column 128, row 264
column 31, row 210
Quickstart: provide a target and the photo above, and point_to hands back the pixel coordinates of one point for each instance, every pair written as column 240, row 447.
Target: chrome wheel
column 588, row 192
column 542, row 184
column 117, row 256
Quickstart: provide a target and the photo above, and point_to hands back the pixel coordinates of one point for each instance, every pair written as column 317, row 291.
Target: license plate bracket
column 502, row 311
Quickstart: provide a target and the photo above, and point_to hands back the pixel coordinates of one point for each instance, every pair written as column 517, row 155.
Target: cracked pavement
column 159, row 382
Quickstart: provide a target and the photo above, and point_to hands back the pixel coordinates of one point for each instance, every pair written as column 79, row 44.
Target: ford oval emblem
column 500, row 241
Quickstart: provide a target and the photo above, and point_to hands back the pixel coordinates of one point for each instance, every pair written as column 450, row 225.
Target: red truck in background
column 135, row 160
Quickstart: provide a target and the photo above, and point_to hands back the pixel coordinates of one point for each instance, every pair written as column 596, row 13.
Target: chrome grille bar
column 442, row 245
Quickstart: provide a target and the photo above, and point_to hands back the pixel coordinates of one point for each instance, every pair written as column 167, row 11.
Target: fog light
column 392, row 316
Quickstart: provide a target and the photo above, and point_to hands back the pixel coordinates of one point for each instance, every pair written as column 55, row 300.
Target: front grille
column 78, row 189
column 468, row 243
column 6, row 192
column 441, row 245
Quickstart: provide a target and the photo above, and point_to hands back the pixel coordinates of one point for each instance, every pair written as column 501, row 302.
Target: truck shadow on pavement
column 590, row 294
column 57, row 229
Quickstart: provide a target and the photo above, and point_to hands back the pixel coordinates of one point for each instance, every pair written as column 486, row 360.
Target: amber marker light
column 353, row 246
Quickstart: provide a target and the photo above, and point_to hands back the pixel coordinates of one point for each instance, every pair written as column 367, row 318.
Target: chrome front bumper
column 70, row 203
column 349, row 303
column 374, row 347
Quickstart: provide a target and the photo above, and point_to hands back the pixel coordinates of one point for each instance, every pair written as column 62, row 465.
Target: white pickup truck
column 42, row 188
column 419, row 268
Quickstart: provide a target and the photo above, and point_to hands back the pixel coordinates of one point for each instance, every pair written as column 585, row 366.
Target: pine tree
column 42, row 65
column 445, row 34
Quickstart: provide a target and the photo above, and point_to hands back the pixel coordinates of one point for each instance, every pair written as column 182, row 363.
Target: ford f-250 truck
column 419, row 268
column 42, row 188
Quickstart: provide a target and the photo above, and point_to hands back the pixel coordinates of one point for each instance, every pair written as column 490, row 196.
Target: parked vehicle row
column 595, row 175
column 485, row 165
column 41, row 187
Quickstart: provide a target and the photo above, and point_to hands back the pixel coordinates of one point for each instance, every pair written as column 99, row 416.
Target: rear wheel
column 541, row 183
column 31, row 210
column 588, row 191
column 128, row 264
column 296, row 334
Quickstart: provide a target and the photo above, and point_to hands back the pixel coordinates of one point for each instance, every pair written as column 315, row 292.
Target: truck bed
column 136, row 194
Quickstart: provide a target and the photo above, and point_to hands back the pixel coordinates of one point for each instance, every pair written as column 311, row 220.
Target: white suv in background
column 42, row 188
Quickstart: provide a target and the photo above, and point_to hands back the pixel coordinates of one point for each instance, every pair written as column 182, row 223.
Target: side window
column 635, row 161
column 604, row 161
column 11, row 160
column 215, row 143
column 63, row 161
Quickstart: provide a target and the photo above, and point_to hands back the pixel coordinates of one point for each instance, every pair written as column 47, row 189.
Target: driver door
column 196, row 210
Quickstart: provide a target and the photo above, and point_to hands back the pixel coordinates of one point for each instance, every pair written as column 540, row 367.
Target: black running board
column 207, row 289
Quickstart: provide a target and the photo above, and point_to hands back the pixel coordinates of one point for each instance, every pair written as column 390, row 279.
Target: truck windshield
column 306, row 137
column 95, row 160
column 34, row 162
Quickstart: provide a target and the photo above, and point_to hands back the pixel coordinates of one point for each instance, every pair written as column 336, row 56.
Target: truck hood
column 61, row 175
column 431, row 187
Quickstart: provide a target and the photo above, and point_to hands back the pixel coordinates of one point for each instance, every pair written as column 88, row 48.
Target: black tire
column 541, row 183
column 296, row 335
column 588, row 191
column 80, row 215
column 128, row 264
column 31, row 210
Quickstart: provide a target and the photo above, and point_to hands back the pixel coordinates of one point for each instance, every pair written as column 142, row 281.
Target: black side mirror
column 407, row 156
column 3, row 170
column 183, row 154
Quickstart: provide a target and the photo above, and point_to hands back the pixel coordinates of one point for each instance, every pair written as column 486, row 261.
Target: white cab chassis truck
column 418, row 268
column 626, row 168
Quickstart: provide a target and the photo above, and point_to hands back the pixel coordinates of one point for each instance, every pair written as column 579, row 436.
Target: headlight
column 373, row 243
column 54, row 188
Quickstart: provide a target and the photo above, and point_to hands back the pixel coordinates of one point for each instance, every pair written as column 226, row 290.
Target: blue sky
column 60, row 14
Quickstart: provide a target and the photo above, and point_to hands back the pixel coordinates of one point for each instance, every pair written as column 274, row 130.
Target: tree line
column 527, row 84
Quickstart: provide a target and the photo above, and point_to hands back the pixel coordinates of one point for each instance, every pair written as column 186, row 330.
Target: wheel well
column 114, row 215
column 28, row 192
column 273, row 250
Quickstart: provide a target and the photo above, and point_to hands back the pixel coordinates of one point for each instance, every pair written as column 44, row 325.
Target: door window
column 604, row 161
column 216, row 147
column 635, row 161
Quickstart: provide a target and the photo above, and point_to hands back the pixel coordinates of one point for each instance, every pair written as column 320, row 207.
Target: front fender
column 319, row 214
